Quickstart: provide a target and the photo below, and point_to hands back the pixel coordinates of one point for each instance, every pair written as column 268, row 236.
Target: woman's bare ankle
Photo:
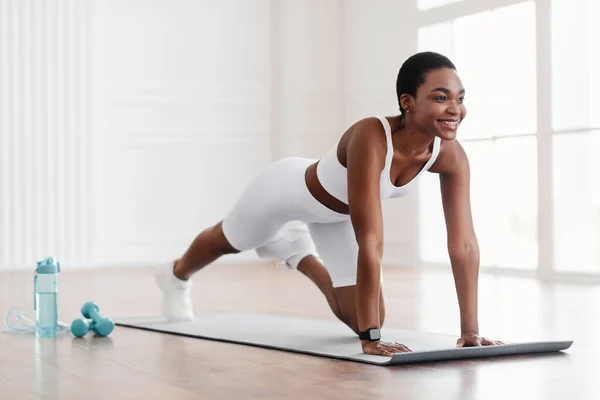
column 178, row 272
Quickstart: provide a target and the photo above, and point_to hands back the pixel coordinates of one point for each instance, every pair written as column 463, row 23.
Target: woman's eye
column 442, row 98
column 462, row 99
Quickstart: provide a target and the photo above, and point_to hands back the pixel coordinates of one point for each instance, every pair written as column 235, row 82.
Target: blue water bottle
column 45, row 287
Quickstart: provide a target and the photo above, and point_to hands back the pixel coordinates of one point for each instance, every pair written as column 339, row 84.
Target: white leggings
column 279, row 195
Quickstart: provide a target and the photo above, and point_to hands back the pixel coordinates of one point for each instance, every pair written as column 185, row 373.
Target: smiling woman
column 337, row 199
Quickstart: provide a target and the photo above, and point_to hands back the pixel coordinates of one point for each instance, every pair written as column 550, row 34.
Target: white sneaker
column 287, row 243
column 176, row 302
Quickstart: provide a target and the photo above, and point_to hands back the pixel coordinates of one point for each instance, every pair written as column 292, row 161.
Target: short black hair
column 413, row 70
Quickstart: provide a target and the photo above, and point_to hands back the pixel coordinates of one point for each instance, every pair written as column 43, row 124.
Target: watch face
column 375, row 334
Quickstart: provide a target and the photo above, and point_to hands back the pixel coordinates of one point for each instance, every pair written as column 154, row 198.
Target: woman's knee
column 222, row 245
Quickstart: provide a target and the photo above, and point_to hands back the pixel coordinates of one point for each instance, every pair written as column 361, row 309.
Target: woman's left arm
column 453, row 167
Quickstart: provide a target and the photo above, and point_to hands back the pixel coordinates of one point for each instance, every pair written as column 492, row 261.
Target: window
column 576, row 136
column 575, row 64
column 576, row 202
column 498, row 69
column 503, row 201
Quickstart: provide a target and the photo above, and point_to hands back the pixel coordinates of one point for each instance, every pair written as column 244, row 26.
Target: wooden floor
column 134, row 364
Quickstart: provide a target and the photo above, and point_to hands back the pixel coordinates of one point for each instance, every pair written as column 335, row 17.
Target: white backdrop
column 129, row 126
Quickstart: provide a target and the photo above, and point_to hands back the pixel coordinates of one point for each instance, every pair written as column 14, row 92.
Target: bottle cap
column 48, row 266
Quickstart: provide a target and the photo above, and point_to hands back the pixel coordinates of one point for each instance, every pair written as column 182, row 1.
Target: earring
column 407, row 110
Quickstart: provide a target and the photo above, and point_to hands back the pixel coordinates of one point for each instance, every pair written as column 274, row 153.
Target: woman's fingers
column 470, row 342
column 476, row 342
column 384, row 348
column 488, row 342
column 400, row 348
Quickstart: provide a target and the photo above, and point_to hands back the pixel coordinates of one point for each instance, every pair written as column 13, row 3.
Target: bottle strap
column 35, row 291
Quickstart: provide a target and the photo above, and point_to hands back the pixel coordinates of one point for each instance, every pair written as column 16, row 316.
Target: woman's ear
column 406, row 101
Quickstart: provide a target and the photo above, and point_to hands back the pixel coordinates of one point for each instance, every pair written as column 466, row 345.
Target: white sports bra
column 334, row 177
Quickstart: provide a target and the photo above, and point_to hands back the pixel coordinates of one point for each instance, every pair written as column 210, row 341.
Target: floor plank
column 12, row 390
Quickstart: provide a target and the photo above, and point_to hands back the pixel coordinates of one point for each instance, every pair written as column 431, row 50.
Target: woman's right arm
column 365, row 159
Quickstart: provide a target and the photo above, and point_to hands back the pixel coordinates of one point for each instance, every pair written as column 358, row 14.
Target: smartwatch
column 371, row 334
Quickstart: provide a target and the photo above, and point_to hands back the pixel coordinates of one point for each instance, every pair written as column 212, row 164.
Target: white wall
column 162, row 111
column 308, row 104
column 45, row 135
column 182, row 119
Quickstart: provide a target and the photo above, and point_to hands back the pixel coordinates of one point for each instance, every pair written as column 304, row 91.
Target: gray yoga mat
column 329, row 338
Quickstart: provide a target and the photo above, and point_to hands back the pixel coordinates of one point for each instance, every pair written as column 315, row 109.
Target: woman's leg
column 173, row 278
column 346, row 298
column 293, row 246
column 337, row 247
column 256, row 217
column 341, row 300
column 312, row 267
column 263, row 208
column 206, row 248
column 211, row 244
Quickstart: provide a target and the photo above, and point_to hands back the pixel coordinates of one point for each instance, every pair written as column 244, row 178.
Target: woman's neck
column 408, row 140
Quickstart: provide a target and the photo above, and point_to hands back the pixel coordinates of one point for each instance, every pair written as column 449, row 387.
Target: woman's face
column 438, row 108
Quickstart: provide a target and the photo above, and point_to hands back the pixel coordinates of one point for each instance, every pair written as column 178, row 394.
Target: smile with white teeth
column 450, row 123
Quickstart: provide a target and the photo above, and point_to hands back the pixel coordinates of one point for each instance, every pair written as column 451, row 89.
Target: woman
column 338, row 200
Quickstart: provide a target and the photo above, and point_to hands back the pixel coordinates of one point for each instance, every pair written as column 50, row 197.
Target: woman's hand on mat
column 472, row 339
column 381, row 348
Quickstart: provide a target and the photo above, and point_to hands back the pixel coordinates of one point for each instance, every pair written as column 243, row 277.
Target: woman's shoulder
column 451, row 158
column 368, row 123
column 367, row 132
column 366, row 135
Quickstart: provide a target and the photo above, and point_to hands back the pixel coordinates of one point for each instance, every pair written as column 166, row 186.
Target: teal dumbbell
column 100, row 325
column 80, row 327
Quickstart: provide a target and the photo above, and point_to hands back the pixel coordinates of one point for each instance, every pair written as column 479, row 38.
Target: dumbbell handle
column 95, row 316
column 92, row 311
